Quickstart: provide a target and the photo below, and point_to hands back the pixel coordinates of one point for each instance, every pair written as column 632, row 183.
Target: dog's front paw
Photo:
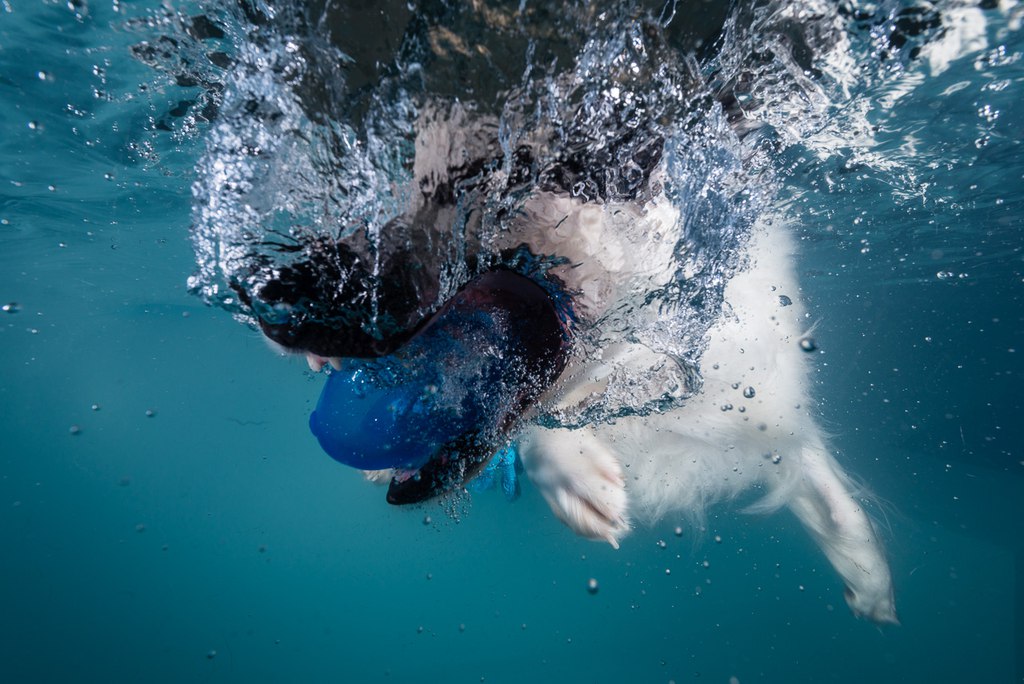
column 580, row 479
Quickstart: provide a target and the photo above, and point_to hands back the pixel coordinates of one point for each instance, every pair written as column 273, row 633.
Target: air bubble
column 679, row 531
column 784, row 300
column 662, row 544
column 749, row 392
column 592, row 586
column 11, row 307
column 808, row 344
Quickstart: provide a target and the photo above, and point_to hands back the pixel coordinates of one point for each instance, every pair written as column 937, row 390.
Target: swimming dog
column 575, row 248
column 751, row 424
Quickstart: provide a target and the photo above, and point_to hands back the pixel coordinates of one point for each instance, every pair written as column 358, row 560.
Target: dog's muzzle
column 439, row 406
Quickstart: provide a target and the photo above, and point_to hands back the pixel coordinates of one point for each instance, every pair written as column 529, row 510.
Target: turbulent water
column 308, row 112
column 304, row 145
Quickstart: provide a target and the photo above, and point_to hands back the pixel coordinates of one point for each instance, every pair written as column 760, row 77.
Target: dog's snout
column 335, row 302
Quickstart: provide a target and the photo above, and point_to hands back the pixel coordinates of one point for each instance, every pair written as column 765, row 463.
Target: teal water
column 166, row 516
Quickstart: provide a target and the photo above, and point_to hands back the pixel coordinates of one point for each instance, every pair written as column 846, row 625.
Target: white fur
column 599, row 478
column 686, row 459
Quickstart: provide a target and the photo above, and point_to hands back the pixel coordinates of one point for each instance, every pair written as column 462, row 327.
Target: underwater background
column 166, row 516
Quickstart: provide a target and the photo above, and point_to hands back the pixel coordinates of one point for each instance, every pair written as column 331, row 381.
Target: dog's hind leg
column 824, row 503
column 580, row 478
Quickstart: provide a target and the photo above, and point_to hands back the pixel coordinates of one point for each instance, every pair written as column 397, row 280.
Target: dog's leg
column 825, row 505
column 580, row 478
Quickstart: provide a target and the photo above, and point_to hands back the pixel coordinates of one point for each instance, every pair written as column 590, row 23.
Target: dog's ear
column 581, row 480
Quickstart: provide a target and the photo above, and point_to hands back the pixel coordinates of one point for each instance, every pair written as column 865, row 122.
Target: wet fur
column 602, row 478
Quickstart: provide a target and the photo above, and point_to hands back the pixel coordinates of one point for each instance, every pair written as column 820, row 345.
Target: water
column 167, row 516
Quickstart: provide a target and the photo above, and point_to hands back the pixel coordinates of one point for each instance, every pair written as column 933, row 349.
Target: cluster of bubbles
column 310, row 131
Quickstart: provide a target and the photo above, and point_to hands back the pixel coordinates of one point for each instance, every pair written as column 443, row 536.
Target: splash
column 310, row 134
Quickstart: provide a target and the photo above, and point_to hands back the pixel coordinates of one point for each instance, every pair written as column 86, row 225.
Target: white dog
column 751, row 425
column 748, row 425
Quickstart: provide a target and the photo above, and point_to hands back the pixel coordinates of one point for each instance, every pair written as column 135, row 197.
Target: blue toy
column 439, row 408
column 397, row 411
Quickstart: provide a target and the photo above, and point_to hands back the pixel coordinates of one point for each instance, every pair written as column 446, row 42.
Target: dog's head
column 411, row 214
column 426, row 384
column 331, row 300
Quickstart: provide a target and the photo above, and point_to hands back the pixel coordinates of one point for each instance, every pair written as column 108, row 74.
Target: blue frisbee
column 369, row 419
column 399, row 410
column 437, row 409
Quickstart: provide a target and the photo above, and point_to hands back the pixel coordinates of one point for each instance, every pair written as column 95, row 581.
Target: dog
column 750, row 426
column 570, row 243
